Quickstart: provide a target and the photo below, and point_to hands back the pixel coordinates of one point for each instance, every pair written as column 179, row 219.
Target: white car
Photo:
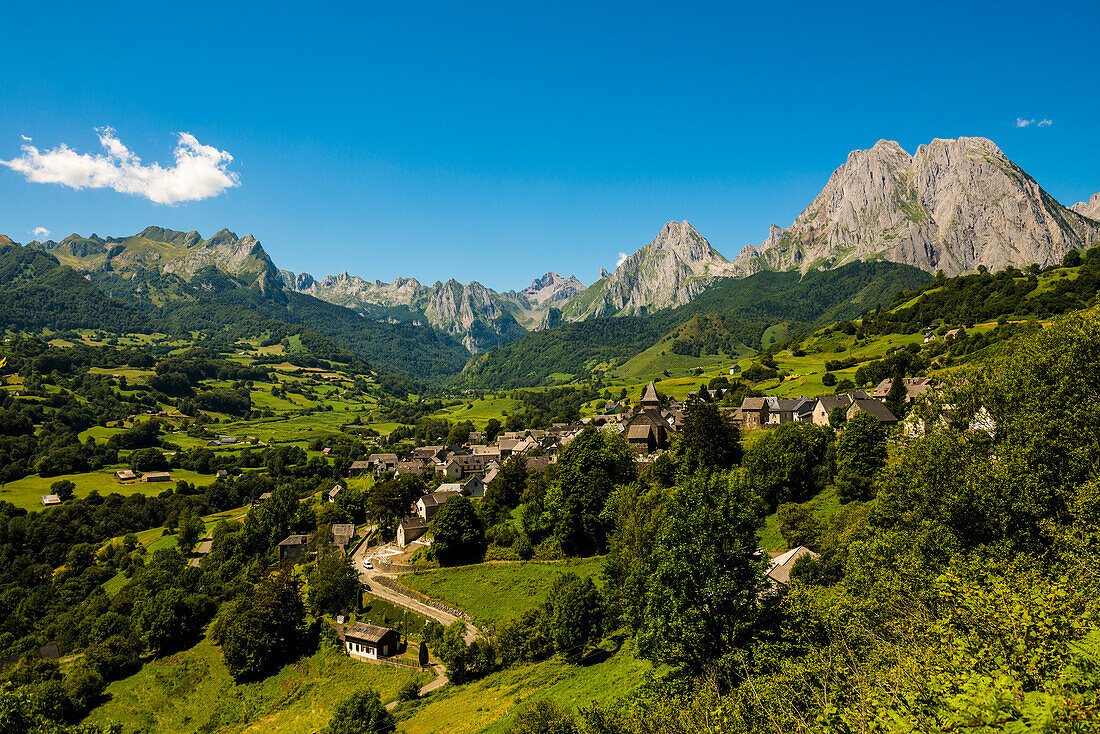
column 368, row 564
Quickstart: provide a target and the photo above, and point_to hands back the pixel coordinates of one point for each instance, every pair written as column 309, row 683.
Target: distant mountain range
column 953, row 206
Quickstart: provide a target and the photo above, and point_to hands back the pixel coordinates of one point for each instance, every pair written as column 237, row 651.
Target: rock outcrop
column 1090, row 208
column 954, row 205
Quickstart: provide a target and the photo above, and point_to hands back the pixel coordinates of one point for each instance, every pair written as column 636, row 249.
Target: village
column 449, row 472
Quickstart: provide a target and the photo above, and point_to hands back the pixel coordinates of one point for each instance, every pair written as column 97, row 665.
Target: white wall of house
column 360, row 650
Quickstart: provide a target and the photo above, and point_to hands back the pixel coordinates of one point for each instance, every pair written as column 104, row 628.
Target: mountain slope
column 672, row 269
column 954, row 205
column 746, row 307
column 226, row 281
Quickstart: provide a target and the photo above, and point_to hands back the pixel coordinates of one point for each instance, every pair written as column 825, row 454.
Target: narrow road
column 366, row 576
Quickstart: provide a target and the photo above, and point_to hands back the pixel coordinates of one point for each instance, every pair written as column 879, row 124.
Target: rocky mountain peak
column 672, row 269
column 953, row 205
column 1090, row 208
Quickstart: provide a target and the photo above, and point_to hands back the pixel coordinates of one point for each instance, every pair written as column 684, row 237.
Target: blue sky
column 496, row 141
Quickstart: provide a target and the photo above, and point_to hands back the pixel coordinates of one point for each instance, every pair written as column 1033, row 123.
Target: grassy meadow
column 490, row 704
column 192, row 691
column 490, row 592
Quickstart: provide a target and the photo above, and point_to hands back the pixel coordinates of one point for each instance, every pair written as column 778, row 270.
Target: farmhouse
column 293, row 548
column 124, row 475
column 358, row 468
column 753, row 413
column 825, row 404
column 914, row 387
column 410, row 529
column 342, row 535
column 368, row 642
column 332, row 493
column 156, row 476
column 429, row 504
column 51, row 499
column 428, row 453
column 875, row 408
column 410, row 467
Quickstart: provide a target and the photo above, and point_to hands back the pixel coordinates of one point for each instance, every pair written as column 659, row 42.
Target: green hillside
column 746, row 308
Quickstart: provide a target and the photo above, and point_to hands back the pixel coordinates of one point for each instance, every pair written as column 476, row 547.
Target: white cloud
column 622, row 258
column 1045, row 123
column 25, row 138
column 1021, row 122
column 40, row 232
column 200, row 171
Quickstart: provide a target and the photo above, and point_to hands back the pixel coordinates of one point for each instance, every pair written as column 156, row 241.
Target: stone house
column 875, row 408
column 293, row 548
column 914, row 387
column 753, row 413
column 410, row 529
column 429, row 504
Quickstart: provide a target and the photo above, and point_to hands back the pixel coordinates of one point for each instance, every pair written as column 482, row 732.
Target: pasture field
column 490, row 592
column 27, row 492
column 192, row 691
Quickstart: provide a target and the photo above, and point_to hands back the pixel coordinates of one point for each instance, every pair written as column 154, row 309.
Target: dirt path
column 439, row 682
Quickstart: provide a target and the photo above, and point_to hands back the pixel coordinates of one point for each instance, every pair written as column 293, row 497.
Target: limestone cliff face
column 952, row 206
column 550, row 288
column 1090, row 208
column 478, row 316
column 671, row 270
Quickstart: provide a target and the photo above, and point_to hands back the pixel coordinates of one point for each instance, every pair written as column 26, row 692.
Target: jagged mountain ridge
column 163, row 272
column 952, row 206
column 671, row 270
column 478, row 316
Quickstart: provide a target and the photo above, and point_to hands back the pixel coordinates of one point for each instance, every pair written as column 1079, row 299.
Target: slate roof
column 439, row 497
column 342, row 533
column 780, row 569
column 368, row 632
column 875, row 408
column 753, row 403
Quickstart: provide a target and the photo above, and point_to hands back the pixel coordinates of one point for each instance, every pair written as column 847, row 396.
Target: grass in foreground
column 489, row 705
column 490, row 592
column 192, row 691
